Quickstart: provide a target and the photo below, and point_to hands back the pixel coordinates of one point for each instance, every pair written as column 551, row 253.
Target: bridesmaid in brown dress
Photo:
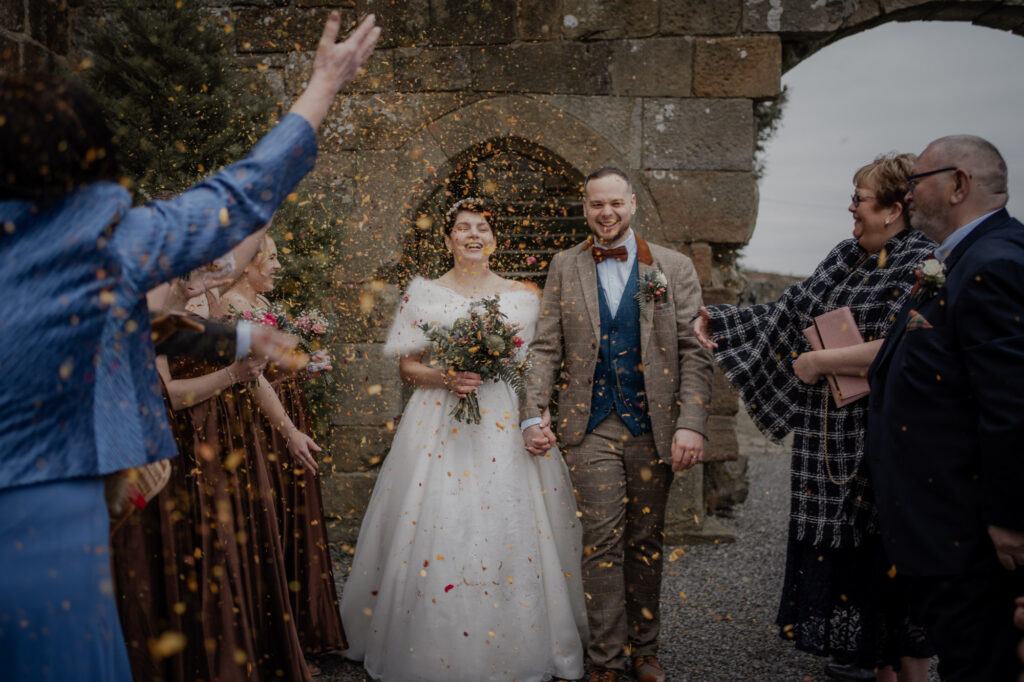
column 200, row 572
column 303, row 530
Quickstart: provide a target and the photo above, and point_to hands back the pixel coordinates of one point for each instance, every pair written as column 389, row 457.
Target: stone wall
column 664, row 89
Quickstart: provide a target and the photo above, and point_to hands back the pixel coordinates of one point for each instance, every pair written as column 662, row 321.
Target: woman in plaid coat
column 838, row 598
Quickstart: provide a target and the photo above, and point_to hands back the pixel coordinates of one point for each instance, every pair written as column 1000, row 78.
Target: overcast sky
column 896, row 87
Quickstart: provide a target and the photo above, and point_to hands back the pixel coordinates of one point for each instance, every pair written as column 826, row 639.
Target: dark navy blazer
column 946, row 411
column 79, row 392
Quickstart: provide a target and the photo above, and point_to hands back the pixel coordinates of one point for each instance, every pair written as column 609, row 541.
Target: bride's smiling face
column 471, row 239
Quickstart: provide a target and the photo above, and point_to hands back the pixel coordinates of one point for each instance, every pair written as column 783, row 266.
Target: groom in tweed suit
column 632, row 409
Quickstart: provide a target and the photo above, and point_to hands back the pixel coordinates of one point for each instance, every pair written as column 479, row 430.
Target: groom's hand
column 687, row 449
column 538, row 439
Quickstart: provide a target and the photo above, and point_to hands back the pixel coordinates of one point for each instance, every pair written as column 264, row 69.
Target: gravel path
column 719, row 601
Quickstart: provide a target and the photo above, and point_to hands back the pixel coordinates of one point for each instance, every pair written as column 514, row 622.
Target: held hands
column 460, row 383
column 687, row 449
column 700, row 330
column 539, row 438
column 301, row 447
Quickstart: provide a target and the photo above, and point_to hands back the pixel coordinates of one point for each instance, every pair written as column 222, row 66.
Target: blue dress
column 79, row 393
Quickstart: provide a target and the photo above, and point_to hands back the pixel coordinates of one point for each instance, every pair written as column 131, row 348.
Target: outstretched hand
column 700, row 329
column 335, row 65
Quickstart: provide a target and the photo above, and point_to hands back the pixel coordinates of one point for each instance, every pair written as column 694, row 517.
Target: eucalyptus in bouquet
column 483, row 342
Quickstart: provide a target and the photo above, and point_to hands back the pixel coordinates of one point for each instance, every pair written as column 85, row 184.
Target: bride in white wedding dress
column 467, row 564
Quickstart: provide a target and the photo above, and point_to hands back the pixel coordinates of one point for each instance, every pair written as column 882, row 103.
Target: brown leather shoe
column 648, row 669
column 603, row 676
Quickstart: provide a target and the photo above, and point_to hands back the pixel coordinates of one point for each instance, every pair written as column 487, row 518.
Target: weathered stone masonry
column 663, row 88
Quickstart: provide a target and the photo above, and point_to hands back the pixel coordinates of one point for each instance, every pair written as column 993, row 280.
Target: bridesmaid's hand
column 301, row 447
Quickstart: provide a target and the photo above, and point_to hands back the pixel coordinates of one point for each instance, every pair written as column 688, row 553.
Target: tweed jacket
column 677, row 371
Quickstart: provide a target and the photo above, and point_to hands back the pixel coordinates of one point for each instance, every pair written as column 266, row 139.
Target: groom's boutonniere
column 651, row 287
column 931, row 275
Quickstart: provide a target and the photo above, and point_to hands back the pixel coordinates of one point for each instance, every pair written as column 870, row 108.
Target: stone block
column 703, row 206
column 963, row 12
column 570, row 68
column 700, row 17
column 890, row 6
column 360, row 448
column 866, row 11
column 48, row 24
column 685, row 512
column 721, row 442
column 283, row 29
column 403, row 22
column 438, row 68
column 716, row 295
column 654, row 67
column 346, row 496
column 619, row 120
column 726, row 486
column 700, row 254
column 609, row 19
column 368, row 389
column 366, row 310
column 795, row 16
column 35, row 57
column 386, row 120
column 10, row 50
column 724, row 398
column 737, row 67
column 377, row 74
column 12, row 15
column 539, row 20
column 472, row 22
column 698, row 134
column 1002, row 18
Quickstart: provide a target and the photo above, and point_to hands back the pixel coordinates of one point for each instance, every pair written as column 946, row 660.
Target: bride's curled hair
column 472, row 204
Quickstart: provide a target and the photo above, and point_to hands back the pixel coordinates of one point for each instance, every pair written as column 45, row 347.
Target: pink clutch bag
column 838, row 329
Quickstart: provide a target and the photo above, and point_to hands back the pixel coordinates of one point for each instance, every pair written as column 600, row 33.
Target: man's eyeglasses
column 912, row 180
column 857, row 199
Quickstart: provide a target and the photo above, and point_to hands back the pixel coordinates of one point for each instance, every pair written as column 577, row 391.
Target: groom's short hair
column 604, row 172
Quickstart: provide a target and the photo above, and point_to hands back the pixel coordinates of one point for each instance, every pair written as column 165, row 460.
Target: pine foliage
column 162, row 71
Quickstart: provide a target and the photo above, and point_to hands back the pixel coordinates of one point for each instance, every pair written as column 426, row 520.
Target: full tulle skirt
column 467, row 564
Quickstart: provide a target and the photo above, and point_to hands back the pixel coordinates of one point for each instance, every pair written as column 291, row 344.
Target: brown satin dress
column 205, row 559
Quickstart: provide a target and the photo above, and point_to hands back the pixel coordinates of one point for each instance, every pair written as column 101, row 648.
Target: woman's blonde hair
column 888, row 172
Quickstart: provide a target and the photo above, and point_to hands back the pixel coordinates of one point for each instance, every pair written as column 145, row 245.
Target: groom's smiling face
column 608, row 205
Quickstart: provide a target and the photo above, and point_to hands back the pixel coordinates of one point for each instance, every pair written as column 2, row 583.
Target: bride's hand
column 461, row 383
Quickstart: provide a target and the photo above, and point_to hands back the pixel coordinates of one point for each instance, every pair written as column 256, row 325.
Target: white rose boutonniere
column 651, row 287
column 931, row 275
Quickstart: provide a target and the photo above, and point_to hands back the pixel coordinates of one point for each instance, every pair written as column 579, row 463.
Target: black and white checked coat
column 756, row 349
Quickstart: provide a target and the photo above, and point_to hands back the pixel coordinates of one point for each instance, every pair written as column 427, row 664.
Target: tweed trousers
column 621, row 491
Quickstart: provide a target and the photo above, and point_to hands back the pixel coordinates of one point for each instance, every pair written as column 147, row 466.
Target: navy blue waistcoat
column 618, row 377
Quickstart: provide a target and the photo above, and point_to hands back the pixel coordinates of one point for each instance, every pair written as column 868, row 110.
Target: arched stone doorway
column 535, row 196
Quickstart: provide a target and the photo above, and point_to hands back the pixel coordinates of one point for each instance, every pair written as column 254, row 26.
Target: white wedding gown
column 468, row 560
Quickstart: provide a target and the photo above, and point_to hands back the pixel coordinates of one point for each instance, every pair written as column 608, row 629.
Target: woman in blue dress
column 79, row 393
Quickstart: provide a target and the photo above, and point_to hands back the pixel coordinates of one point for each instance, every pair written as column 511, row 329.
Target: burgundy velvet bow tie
column 618, row 253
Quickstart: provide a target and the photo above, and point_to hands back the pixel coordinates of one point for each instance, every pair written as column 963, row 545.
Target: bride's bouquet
column 485, row 343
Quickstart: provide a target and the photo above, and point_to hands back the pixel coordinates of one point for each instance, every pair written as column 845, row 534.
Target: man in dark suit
column 946, row 416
